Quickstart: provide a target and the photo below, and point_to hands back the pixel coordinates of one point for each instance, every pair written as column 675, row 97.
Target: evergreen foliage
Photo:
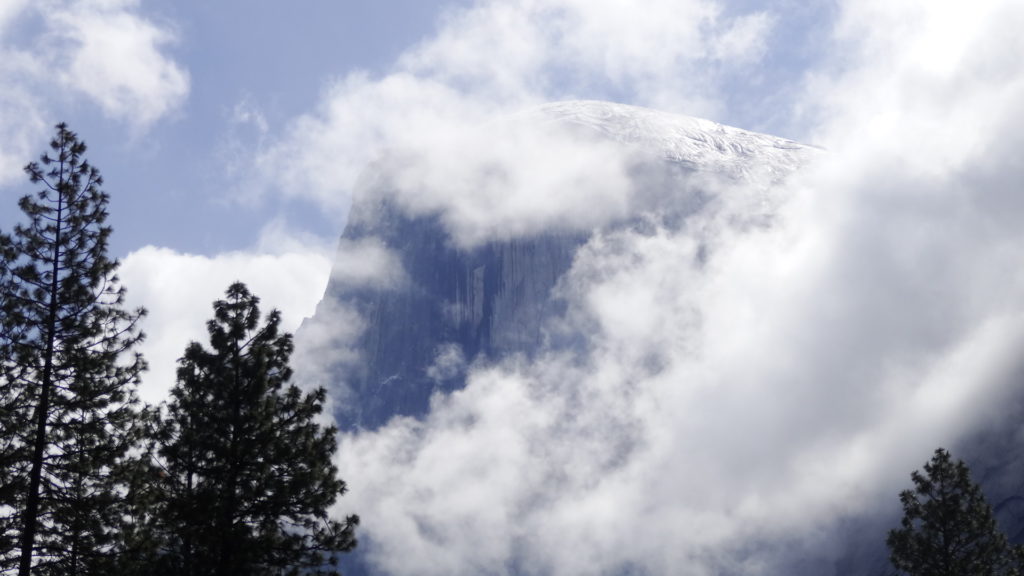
column 948, row 528
column 13, row 421
column 67, row 373
column 247, row 472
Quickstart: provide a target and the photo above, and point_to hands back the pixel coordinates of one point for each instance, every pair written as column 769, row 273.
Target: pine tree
column 249, row 472
column 13, row 419
column 68, row 370
column 948, row 528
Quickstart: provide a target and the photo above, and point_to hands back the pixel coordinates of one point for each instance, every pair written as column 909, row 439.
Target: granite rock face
column 456, row 304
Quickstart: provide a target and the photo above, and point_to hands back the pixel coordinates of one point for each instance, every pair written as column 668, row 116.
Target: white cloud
column 106, row 52
column 322, row 154
column 746, row 40
column 115, row 57
column 499, row 57
column 20, row 117
column 933, row 87
column 21, row 123
column 449, row 362
column 178, row 290
column 521, row 180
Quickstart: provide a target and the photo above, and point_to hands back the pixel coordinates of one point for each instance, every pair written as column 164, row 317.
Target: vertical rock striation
column 455, row 305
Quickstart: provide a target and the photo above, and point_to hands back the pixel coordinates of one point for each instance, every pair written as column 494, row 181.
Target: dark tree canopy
column 67, row 371
column 249, row 476
column 948, row 528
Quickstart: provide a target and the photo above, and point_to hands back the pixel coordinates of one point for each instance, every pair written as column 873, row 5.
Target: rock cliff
column 457, row 304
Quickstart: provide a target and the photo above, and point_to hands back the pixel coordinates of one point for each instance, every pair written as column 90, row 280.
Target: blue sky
column 807, row 366
column 168, row 181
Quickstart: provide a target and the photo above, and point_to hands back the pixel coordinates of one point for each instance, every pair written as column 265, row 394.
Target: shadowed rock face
column 453, row 306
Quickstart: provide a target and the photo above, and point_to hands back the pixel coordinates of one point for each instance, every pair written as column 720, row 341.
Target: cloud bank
column 178, row 289
column 744, row 388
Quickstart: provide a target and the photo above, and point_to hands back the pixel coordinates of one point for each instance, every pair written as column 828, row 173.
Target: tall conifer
column 948, row 528
column 249, row 471
column 68, row 370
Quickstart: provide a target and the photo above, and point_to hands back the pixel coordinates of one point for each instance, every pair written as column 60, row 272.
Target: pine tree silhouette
column 948, row 528
column 249, row 476
column 68, row 370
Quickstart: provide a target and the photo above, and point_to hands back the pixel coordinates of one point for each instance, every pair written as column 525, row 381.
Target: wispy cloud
column 106, row 52
column 114, row 56
column 500, row 57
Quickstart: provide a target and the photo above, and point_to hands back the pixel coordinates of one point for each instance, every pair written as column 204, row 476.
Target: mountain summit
column 429, row 305
column 699, row 144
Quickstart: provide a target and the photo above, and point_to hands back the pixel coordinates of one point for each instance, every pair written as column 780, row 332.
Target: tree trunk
column 28, row 535
column 228, row 562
